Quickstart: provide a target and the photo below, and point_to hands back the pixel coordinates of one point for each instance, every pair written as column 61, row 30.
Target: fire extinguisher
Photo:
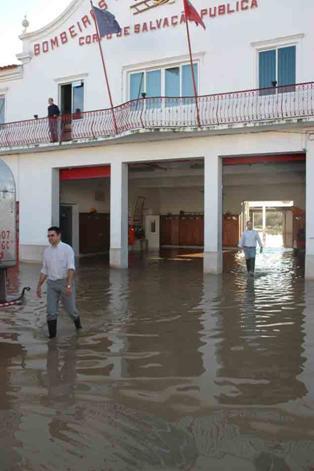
column 131, row 235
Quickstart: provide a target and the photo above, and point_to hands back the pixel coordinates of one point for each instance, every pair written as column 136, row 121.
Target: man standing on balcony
column 58, row 267
column 53, row 115
column 248, row 243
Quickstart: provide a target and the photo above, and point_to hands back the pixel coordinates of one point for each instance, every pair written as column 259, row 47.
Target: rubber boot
column 52, row 328
column 77, row 322
column 252, row 265
column 248, row 264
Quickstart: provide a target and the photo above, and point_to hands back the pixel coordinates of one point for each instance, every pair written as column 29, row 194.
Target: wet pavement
column 173, row 370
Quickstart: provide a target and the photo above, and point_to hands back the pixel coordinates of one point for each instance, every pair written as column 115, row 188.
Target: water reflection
column 172, row 370
column 11, row 355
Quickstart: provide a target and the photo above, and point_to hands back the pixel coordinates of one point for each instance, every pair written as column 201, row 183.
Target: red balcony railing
column 236, row 108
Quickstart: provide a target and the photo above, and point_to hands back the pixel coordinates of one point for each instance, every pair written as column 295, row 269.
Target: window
column 169, row 82
column 2, row 104
column 277, row 67
column 72, row 97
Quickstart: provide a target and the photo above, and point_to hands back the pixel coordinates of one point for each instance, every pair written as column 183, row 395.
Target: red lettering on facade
column 182, row 19
column 204, row 12
column 86, row 21
column 72, row 31
column 174, row 20
column 151, row 25
column 222, row 10
column 54, row 42
column 45, row 46
column 36, row 49
column 63, row 37
column 102, row 5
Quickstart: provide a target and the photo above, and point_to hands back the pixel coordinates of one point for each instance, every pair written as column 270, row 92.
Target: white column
column 309, row 195
column 212, row 214
column 264, row 224
column 55, row 197
column 119, row 215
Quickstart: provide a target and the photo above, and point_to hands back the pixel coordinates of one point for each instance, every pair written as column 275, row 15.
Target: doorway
column 273, row 220
column 69, row 225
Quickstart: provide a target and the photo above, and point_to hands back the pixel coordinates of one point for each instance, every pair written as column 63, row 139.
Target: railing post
column 141, row 115
column 217, row 109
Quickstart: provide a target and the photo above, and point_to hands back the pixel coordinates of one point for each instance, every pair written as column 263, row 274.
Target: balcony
column 243, row 109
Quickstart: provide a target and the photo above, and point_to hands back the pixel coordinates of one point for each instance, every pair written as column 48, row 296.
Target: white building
column 254, row 73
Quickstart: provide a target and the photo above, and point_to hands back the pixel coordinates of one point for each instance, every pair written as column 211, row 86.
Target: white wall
column 83, row 193
column 174, row 200
column 235, row 195
column 226, row 51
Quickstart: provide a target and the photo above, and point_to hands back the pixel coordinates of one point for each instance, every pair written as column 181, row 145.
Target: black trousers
column 250, row 264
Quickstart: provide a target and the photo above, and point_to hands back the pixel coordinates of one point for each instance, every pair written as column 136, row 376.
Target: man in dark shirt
column 53, row 114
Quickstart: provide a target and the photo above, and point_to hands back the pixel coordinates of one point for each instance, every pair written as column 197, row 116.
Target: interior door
column 66, row 224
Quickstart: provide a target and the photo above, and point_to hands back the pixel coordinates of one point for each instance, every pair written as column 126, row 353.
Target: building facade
column 181, row 167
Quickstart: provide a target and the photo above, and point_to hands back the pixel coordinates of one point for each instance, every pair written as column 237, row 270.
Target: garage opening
column 269, row 191
column 166, row 206
column 85, row 208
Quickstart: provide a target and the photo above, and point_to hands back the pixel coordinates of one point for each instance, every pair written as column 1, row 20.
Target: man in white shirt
column 58, row 268
column 248, row 243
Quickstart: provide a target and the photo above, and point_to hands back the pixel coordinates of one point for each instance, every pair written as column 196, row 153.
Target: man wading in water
column 248, row 243
column 58, row 268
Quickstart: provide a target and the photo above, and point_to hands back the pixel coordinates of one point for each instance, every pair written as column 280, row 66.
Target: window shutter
column 187, row 80
column 136, row 85
column 287, row 65
column 267, row 68
column 2, row 102
column 153, row 83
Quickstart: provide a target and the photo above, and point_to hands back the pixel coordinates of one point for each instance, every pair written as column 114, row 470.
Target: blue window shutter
column 172, row 82
column 187, row 80
column 153, row 83
column 2, row 102
column 136, row 85
column 267, row 68
column 287, row 65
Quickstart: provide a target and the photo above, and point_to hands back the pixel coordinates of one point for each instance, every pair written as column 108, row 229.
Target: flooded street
column 172, row 370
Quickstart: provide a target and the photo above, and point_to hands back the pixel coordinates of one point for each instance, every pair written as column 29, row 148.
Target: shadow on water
column 172, row 370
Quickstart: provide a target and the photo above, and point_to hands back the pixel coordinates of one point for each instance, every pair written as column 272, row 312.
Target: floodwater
column 173, row 370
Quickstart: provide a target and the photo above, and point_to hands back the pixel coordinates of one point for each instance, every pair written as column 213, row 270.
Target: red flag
column 191, row 14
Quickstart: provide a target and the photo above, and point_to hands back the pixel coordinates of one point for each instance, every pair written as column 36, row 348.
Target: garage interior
column 166, row 203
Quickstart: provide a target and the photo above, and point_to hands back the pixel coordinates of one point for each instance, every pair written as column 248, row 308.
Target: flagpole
column 193, row 74
column 105, row 71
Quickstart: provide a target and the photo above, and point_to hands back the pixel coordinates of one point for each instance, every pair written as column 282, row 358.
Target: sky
column 39, row 13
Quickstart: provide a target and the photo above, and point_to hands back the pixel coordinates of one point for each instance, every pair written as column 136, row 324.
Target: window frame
column 276, row 49
column 163, row 69
column 278, row 42
column 71, row 82
column 3, row 97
